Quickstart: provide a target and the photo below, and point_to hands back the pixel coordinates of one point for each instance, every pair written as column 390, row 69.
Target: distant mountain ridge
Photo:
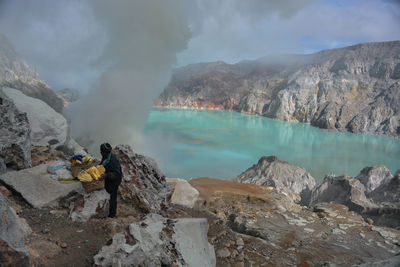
column 15, row 73
column 355, row 88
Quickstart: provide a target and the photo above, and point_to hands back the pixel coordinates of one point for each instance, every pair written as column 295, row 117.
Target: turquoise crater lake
column 223, row 144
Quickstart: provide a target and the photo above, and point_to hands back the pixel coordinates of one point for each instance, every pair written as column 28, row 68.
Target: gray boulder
column 142, row 182
column 158, row 241
column 342, row 190
column 15, row 142
column 296, row 182
column 13, row 232
column 48, row 127
column 373, row 177
column 38, row 187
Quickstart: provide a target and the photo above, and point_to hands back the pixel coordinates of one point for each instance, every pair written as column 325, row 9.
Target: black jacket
column 113, row 166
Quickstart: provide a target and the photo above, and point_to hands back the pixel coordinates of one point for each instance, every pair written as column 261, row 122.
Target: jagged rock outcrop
column 373, row 177
column 294, row 181
column 15, row 73
column 142, row 181
column 13, row 232
column 389, row 190
column 48, row 127
column 344, row 190
column 354, row 88
column 15, row 142
column 381, row 202
column 158, row 241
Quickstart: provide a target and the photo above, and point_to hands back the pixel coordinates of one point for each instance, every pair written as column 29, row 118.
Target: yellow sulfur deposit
column 93, row 173
column 87, row 160
column 83, row 176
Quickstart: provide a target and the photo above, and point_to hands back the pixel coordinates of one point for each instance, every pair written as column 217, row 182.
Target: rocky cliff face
column 355, row 88
column 15, row 73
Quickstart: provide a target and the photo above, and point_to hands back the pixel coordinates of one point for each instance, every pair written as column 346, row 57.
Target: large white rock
column 91, row 203
column 184, row 194
column 191, row 241
column 37, row 186
column 47, row 125
column 159, row 241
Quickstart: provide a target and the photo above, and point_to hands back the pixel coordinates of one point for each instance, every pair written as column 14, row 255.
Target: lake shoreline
column 253, row 114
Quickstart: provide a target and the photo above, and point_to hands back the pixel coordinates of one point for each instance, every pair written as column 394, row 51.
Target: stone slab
column 37, row 187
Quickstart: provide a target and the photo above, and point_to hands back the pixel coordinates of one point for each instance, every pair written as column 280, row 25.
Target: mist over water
column 223, row 144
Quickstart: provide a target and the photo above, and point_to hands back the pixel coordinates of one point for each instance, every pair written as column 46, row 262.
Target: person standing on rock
column 112, row 176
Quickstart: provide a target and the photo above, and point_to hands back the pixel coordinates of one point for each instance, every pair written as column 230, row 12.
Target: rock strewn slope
column 355, row 88
column 15, row 73
column 272, row 230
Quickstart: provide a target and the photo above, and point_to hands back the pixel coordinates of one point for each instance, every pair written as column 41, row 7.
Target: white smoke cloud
column 144, row 38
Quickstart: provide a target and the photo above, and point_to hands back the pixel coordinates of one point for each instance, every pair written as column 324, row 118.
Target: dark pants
column 112, row 181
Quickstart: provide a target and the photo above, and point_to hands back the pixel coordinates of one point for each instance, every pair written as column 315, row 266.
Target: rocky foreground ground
column 172, row 222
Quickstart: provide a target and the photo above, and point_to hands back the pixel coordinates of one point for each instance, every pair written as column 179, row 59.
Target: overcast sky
column 65, row 41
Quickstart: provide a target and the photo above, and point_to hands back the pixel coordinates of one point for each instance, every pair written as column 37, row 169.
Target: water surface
column 223, row 144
